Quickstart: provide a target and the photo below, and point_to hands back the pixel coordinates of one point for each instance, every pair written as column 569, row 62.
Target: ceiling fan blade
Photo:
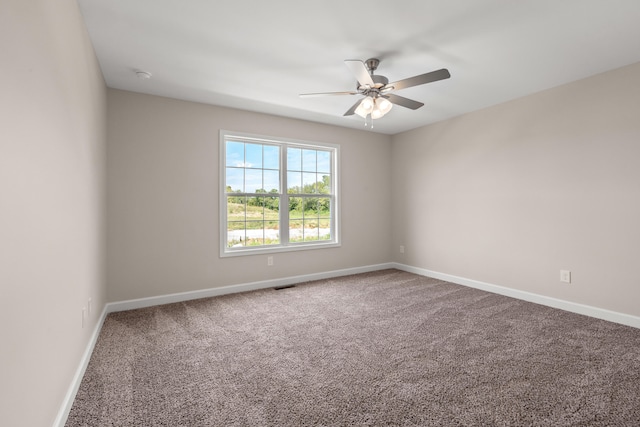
column 359, row 70
column 309, row 95
column 351, row 111
column 403, row 102
column 433, row 76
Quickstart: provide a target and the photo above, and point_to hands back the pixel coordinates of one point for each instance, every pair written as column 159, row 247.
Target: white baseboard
column 598, row 313
column 63, row 413
column 263, row 284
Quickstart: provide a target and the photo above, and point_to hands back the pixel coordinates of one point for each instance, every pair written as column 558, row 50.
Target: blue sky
column 254, row 166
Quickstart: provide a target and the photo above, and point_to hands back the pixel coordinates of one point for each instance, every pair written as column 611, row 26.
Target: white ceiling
column 259, row 55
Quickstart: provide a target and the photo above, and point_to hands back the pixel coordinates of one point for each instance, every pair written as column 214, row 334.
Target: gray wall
column 162, row 197
column 512, row 194
column 52, row 137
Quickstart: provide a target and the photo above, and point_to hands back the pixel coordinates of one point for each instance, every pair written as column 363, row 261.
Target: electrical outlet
column 270, row 261
column 401, row 249
column 565, row 276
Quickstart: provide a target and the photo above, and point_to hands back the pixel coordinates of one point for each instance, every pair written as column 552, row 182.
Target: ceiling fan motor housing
column 380, row 82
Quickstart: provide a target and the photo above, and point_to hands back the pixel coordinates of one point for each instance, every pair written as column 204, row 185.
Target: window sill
column 270, row 250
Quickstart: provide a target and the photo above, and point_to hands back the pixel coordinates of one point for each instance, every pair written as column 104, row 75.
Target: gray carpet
column 381, row 348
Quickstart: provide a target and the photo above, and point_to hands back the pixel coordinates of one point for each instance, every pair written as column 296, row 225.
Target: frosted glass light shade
column 382, row 107
column 365, row 108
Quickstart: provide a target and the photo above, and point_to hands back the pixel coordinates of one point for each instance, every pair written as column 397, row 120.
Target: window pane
column 253, row 180
column 272, row 181
column 294, row 182
column 255, row 208
column 235, row 234
column 294, row 159
column 295, row 230
column 295, row 207
column 324, row 207
column 325, row 233
column 235, row 180
column 272, row 233
column 324, row 184
column 236, row 208
column 309, row 160
column 309, row 183
column 253, row 156
column 255, row 233
column 324, row 162
column 235, row 154
column 272, row 208
column 310, row 206
column 271, row 157
column 310, row 230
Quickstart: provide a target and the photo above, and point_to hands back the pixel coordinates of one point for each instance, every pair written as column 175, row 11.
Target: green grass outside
column 258, row 217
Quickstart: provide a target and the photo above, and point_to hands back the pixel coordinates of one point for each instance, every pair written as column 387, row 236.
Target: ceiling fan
column 378, row 100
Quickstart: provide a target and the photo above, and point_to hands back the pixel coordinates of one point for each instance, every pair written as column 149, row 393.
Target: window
column 276, row 195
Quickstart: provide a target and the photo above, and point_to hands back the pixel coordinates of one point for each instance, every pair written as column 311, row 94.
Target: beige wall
column 512, row 194
column 52, row 136
column 162, row 197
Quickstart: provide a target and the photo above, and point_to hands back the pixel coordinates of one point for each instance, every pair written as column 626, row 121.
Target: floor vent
column 284, row 287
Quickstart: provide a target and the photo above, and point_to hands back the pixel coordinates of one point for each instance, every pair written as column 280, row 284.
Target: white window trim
column 289, row 247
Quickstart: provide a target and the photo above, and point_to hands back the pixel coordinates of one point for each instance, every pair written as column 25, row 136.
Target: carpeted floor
column 381, row 348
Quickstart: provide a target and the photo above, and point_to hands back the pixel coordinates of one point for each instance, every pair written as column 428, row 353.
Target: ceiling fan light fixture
column 365, row 108
column 382, row 107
